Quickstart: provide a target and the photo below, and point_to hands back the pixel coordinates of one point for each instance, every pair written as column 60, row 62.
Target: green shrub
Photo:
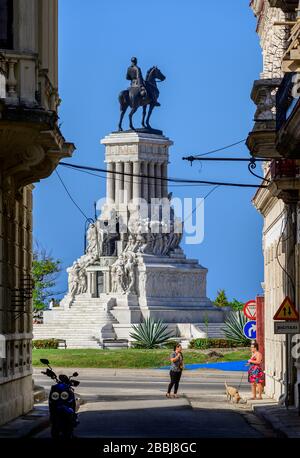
column 150, row 334
column 170, row 344
column 205, row 344
column 45, row 343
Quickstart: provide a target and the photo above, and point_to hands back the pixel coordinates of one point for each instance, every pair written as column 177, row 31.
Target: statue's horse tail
column 124, row 100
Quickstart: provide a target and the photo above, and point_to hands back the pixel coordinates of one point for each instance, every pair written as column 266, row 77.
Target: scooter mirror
column 44, row 361
column 75, row 383
column 75, row 374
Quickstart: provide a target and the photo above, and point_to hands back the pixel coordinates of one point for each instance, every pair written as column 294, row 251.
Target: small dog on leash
column 232, row 393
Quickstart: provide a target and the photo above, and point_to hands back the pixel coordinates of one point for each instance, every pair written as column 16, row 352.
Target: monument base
column 115, row 284
column 141, row 130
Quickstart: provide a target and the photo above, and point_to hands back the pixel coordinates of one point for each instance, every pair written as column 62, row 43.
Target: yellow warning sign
column 287, row 311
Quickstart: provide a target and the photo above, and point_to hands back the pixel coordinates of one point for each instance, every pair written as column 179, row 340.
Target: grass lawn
column 127, row 358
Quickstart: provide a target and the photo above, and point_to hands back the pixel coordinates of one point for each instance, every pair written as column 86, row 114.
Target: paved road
column 133, row 404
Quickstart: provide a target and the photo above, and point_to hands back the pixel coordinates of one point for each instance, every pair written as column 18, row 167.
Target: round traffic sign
column 250, row 330
column 250, row 310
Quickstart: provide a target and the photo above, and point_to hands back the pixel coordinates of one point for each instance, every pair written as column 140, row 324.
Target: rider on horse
column 134, row 74
column 138, row 85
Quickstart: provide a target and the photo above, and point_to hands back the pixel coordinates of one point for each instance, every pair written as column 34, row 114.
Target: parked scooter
column 63, row 404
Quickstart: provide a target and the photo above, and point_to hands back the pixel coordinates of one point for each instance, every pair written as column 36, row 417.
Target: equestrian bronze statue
column 140, row 94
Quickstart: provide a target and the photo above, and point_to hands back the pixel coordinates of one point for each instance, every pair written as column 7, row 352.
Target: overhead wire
column 119, row 179
column 284, row 226
column 172, row 180
column 70, row 196
column 221, row 149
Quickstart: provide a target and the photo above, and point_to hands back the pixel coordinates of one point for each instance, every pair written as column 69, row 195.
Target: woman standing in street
column 176, row 359
column 256, row 375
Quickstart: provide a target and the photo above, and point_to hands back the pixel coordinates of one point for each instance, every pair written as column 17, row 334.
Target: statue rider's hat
column 134, row 60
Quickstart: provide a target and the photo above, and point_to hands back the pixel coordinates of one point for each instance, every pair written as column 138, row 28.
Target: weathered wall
column 273, row 41
column 15, row 322
column 31, row 79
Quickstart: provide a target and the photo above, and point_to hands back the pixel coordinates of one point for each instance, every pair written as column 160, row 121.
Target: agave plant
column 234, row 326
column 150, row 333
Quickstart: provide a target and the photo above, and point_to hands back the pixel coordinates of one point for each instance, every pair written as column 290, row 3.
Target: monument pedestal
column 127, row 309
column 174, row 290
column 134, row 267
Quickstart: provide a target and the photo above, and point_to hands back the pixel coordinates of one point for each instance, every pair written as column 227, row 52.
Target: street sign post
column 250, row 330
column 250, row 310
column 287, row 311
column 286, row 327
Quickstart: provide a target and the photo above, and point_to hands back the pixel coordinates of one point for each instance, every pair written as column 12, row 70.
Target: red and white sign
column 287, row 311
column 250, row 310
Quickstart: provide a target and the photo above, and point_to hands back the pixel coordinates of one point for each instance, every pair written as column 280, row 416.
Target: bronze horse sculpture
column 135, row 99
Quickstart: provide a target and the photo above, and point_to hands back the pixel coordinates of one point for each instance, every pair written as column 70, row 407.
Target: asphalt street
column 132, row 403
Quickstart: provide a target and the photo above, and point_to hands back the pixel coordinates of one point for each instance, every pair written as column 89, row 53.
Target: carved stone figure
column 130, row 274
column 92, row 238
column 123, row 274
column 152, row 237
column 73, row 280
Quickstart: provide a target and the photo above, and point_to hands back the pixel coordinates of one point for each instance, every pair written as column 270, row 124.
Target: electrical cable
column 172, row 180
column 119, row 179
column 283, row 229
column 221, row 149
column 205, row 197
column 194, row 210
column 69, row 194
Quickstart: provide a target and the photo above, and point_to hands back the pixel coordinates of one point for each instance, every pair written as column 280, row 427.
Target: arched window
column 6, row 24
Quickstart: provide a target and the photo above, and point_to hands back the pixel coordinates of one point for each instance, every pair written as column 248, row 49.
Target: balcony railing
column 284, row 168
column 25, row 82
column 285, row 5
column 286, row 99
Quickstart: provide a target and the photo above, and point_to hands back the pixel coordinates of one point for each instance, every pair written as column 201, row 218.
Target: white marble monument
column 133, row 267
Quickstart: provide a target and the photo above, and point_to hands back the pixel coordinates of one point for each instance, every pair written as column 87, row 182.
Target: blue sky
column 210, row 54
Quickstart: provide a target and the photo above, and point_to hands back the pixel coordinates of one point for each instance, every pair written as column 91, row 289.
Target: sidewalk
column 286, row 422
column 26, row 425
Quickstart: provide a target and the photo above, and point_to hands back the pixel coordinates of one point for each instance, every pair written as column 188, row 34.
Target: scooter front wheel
column 55, row 432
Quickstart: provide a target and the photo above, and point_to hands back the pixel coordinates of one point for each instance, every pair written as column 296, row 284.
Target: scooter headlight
column 64, row 395
column 55, row 396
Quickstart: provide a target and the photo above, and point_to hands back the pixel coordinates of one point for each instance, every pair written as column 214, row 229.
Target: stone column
column 145, row 191
column 128, row 180
column 158, row 180
column 119, row 182
column 93, row 276
column 107, row 283
column 136, row 188
column 151, row 170
column 110, row 182
column 164, row 184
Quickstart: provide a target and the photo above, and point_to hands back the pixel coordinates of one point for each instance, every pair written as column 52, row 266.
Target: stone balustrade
column 26, row 83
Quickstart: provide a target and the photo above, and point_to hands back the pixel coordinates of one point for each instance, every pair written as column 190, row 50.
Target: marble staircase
column 85, row 325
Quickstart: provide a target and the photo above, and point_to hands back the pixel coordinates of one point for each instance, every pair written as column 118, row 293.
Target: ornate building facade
column 276, row 138
column 31, row 146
